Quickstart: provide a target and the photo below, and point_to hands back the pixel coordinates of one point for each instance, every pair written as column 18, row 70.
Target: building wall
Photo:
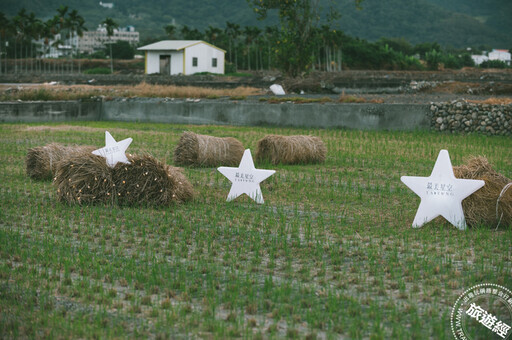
column 500, row 55
column 204, row 54
column 153, row 61
column 92, row 41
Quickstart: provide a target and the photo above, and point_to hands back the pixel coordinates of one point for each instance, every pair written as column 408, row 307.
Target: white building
column 478, row 59
column 56, row 47
column 183, row 57
column 92, row 41
column 108, row 5
column 502, row 55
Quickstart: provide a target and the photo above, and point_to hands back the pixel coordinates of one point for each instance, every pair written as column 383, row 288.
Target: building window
column 214, row 62
column 194, row 61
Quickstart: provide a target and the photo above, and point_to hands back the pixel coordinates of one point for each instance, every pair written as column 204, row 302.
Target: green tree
column 232, row 30
column 122, row 50
column 170, row 30
column 110, row 25
column 298, row 20
column 191, row 34
column 5, row 31
column 20, row 27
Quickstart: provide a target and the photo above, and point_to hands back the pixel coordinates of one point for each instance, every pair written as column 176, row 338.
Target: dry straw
column 492, row 204
column 291, row 149
column 150, row 181
column 86, row 178
column 41, row 161
column 208, row 151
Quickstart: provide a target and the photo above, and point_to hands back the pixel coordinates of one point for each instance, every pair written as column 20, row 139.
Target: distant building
column 502, row 55
column 92, row 41
column 56, row 47
column 478, row 59
column 183, row 57
column 109, row 5
column 495, row 54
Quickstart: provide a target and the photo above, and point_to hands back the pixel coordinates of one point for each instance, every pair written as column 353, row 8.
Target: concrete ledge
column 352, row 116
column 49, row 111
column 328, row 115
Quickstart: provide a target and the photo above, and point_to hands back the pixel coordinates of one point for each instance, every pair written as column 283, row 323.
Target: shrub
column 98, row 70
column 493, row 64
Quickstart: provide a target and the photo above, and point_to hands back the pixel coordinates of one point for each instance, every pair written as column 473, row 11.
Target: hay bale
column 480, row 207
column 148, row 181
column 86, row 178
column 208, row 151
column 291, row 149
column 41, row 161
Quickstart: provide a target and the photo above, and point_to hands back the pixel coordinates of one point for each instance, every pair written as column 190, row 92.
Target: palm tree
column 212, row 34
column 251, row 33
column 33, row 31
column 110, row 25
column 270, row 34
column 75, row 22
column 62, row 27
column 20, row 26
column 5, row 28
column 170, row 30
column 233, row 32
column 50, row 32
column 191, row 34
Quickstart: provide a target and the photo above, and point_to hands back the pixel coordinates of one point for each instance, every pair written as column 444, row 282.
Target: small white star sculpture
column 113, row 151
column 441, row 193
column 246, row 178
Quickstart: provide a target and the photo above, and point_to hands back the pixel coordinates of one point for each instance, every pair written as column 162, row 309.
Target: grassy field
column 331, row 253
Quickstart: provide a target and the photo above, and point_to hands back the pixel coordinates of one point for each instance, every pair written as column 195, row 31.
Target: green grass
column 98, row 70
column 331, row 252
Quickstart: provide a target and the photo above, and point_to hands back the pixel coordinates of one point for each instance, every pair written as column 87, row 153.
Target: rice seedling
column 330, row 254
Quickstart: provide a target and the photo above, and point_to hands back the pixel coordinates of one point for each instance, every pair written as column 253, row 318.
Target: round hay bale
column 149, row 181
column 208, row 151
column 291, row 149
column 85, row 178
column 482, row 207
column 41, row 161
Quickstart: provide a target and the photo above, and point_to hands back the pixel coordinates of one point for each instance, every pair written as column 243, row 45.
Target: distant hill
column 457, row 23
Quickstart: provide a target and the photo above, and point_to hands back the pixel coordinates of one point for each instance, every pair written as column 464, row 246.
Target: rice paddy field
column 331, row 254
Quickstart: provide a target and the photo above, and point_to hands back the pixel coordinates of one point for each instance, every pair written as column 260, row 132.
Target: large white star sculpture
column 441, row 193
column 113, row 151
column 246, row 178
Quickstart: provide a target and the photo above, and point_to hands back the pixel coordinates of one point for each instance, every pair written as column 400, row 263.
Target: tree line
column 298, row 45
column 25, row 37
column 254, row 48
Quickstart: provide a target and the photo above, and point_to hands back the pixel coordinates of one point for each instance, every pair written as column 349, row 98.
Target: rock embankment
column 465, row 117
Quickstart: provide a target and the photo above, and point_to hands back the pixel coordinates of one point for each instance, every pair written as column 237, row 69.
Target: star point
column 441, row 193
column 114, row 152
column 246, row 178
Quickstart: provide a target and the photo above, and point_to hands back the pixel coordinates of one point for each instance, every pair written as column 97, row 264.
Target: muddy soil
column 390, row 86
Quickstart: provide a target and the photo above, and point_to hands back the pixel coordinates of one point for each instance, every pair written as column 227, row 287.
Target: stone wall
column 464, row 117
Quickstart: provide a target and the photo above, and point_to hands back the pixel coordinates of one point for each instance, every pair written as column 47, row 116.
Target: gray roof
column 173, row 45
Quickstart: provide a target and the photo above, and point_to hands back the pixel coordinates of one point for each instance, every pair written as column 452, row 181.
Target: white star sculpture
column 441, row 193
column 113, row 151
column 246, row 178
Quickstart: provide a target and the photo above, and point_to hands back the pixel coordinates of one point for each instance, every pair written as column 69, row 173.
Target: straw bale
column 86, row 178
column 41, row 161
column 149, row 181
column 480, row 207
column 298, row 149
column 207, row 151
